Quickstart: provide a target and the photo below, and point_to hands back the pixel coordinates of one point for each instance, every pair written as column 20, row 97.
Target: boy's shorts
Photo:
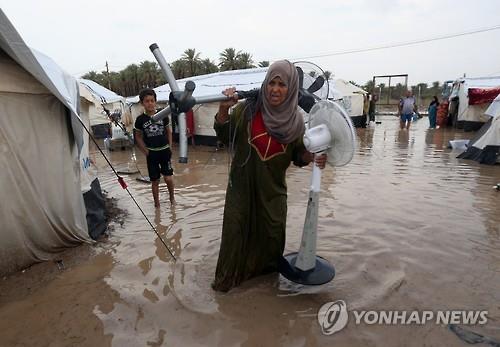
column 406, row 117
column 159, row 163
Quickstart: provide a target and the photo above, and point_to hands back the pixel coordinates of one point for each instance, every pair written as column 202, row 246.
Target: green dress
column 253, row 231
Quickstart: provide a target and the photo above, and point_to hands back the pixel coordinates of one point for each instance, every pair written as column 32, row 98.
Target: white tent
column 349, row 95
column 245, row 79
column 214, row 83
column 43, row 155
column 96, row 98
column 485, row 147
column 470, row 113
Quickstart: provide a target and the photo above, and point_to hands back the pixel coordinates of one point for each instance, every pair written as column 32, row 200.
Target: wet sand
column 406, row 225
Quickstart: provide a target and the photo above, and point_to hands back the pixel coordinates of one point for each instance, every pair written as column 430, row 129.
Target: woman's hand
column 231, row 92
column 224, row 106
column 320, row 160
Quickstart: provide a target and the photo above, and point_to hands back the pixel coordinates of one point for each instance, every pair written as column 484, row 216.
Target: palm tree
column 207, row 66
column 435, row 89
column 328, row 74
column 96, row 77
column 131, row 74
column 147, row 74
column 229, row 59
column 179, row 68
column 192, row 60
column 114, row 79
column 159, row 78
column 370, row 86
column 91, row 75
column 245, row 61
column 264, row 63
column 124, row 89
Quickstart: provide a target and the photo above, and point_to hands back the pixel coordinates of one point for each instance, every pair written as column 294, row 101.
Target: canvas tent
column 469, row 99
column 46, row 175
column 95, row 98
column 485, row 147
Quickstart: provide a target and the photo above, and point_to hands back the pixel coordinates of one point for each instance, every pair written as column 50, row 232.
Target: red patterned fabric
column 482, row 95
column 266, row 146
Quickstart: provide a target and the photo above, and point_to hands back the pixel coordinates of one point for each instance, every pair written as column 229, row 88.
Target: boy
column 154, row 139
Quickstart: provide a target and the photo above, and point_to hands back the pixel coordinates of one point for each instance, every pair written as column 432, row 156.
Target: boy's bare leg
column 155, row 188
column 170, row 185
column 408, row 125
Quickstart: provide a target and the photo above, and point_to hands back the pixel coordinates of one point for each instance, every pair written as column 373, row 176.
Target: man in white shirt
column 407, row 106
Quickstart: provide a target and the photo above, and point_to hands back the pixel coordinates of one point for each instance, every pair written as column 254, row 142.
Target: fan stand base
column 323, row 272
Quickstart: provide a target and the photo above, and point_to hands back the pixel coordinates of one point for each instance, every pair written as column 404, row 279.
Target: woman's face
column 277, row 91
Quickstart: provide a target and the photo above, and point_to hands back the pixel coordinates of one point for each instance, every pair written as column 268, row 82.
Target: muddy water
column 406, row 225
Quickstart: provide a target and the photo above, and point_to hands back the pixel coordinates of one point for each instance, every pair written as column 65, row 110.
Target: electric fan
column 330, row 131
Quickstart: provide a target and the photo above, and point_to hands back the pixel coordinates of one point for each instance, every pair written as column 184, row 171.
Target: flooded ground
column 406, row 225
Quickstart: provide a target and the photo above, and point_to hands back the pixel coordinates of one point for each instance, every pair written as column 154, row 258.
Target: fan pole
column 306, row 260
column 174, row 87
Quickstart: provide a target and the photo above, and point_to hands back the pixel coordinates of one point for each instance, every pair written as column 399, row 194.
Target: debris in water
column 472, row 337
column 60, row 265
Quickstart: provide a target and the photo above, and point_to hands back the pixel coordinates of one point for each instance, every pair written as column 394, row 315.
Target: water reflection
column 402, row 139
column 171, row 238
column 406, row 225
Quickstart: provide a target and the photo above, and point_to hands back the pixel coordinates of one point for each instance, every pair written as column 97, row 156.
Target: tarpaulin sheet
column 479, row 96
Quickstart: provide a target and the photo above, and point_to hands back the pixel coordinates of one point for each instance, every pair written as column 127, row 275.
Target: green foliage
column 228, row 59
column 245, row 61
column 208, row 66
column 131, row 80
column 147, row 74
column 231, row 59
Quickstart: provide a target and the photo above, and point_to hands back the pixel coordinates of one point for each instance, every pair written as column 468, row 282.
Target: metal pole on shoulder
column 174, row 87
column 182, row 101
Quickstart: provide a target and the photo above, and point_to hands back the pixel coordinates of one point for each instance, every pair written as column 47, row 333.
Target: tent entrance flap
column 95, row 206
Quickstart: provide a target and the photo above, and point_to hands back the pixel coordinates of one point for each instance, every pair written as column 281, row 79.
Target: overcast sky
column 82, row 35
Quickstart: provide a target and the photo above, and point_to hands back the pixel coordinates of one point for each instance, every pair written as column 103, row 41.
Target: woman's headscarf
column 284, row 122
